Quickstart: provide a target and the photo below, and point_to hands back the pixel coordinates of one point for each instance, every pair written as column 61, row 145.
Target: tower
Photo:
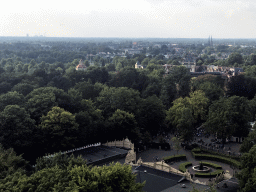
column 211, row 41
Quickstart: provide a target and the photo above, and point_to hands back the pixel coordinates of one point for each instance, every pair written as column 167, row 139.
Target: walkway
column 149, row 154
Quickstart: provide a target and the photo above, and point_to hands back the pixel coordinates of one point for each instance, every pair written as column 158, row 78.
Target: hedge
column 213, row 165
column 207, row 175
column 174, row 158
column 226, row 160
column 183, row 166
column 198, row 150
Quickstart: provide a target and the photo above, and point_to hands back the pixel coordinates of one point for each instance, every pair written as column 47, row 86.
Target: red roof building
column 80, row 66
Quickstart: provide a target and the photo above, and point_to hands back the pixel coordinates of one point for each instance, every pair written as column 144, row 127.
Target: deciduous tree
column 59, row 127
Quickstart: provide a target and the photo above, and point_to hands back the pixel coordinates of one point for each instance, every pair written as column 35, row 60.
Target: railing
column 162, row 167
column 124, row 143
column 76, row 149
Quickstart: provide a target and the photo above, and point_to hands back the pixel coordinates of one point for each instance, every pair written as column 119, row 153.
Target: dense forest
column 47, row 106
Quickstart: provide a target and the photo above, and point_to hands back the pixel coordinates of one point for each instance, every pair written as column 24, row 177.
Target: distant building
column 133, row 51
column 81, row 66
column 139, row 66
column 210, row 43
column 167, row 67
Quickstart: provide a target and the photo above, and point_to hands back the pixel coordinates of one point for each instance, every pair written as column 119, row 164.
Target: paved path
column 148, row 155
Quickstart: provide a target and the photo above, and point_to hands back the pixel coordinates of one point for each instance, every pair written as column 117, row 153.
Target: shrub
column 183, row 166
column 198, row 150
column 226, row 160
column 174, row 158
column 208, row 175
column 213, row 165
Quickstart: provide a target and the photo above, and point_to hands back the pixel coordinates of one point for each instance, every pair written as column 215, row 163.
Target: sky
column 132, row 18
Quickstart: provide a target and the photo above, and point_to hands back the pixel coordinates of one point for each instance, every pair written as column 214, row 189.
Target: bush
column 213, row 165
column 226, row 160
column 208, row 175
column 183, row 166
column 174, row 158
column 198, row 150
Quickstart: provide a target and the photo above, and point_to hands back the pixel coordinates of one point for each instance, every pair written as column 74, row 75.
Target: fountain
column 201, row 168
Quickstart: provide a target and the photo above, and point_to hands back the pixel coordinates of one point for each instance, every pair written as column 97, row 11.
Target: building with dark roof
column 162, row 181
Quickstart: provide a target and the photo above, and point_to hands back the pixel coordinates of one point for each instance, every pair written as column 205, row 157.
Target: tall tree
column 229, row 116
column 151, row 115
column 11, row 98
column 122, row 125
column 91, row 127
column 59, row 127
column 116, row 177
column 123, row 98
column 41, row 100
column 247, row 176
column 181, row 76
column 10, row 162
column 16, row 128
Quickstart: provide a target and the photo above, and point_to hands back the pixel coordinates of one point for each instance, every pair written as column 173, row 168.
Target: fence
column 76, row 149
column 126, row 143
column 161, row 166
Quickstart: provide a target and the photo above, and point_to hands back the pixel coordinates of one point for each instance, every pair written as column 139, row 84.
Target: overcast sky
column 130, row 18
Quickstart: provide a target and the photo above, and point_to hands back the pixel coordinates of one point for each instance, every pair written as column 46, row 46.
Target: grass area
column 175, row 158
column 183, row 166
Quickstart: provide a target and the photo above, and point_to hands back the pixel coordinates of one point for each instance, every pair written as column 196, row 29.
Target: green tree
column 235, row 58
column 23, row 88
column 25, row 68
column 194, row 106
column 16, row 127
column 119, row 66
column 249, row 141
column 10, row 162
column 62, row 161
column 247, row 176
column 42, row 99
column 211, row 90
column 176, row 144
column 11, row 98
column 18, row 68
column 198, row 103
column 241, row 86
column 168, row 91
column 91, row 127
column 121, row 125
column 108, row 178
column 59, row 127
column 185, row 124
column 123, row 98
column 181, row 77
column 229, row 116
column 151, row 115
column 89, row 90
column 78, row 178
